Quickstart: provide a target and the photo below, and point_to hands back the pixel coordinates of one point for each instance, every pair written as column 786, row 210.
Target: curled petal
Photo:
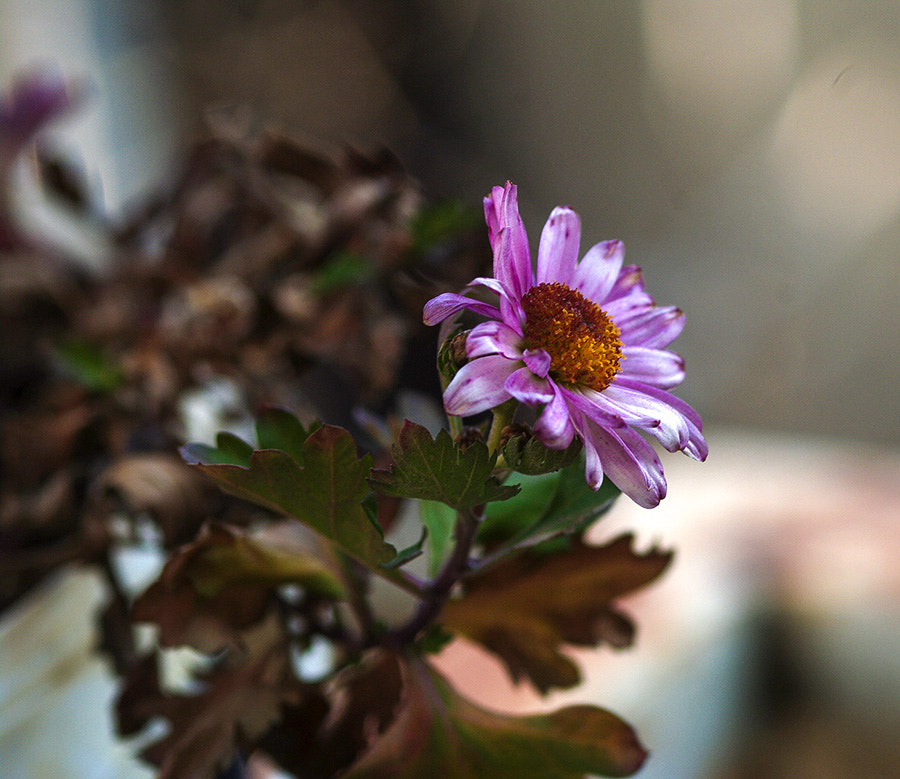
column 554, row 427
column 512, row 258
column 538, row 362
column 626, row 458
column 655, row 416
column 494, row 338
column 558, row 249
column 596, row 273
column 691, row 440
column 479, row 385
column 438, row 309
column 657, row 367
column 527, row 388
column 492, row 213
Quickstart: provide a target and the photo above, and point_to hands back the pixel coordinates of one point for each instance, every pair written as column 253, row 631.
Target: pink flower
column 583, row 341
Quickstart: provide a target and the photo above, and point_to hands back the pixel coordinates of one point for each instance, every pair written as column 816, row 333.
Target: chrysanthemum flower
column 583, row 341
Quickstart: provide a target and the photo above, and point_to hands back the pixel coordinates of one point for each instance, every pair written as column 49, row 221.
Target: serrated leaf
column 529, row 456
column 278, row 428
column 439, row 733
column 429, row 468
column 325, row 493
column 527, row 607
column 238, row 705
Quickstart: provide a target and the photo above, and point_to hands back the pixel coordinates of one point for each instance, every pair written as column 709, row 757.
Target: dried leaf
column 157, row 484
column 436, row 469
column 238, row 707
column 224, row 555
column 526, row 608
column 219, row 585
column 438, row 733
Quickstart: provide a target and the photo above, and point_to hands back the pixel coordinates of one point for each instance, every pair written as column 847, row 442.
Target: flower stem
column 503, row 415
column 439, row 590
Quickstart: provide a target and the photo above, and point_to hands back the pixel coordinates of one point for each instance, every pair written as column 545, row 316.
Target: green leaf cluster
column 427, row 468
column 315, row 477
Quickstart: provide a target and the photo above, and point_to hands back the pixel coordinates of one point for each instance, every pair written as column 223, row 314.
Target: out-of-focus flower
column 34, row 100
column 584, row 341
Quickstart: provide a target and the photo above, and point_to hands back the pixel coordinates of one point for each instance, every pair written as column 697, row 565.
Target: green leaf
column 88, row 365
column 440, row 521
column 506, row 519
column 525, row 608
column 325, row 492
column 278, row 428
column 571, row 506
column 439, row 222
column 410, row 553
column 436, row 469
column 229, row 450
column 439, row 733
column 343, row 270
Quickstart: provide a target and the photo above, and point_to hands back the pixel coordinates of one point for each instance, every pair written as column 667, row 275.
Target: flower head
column 582, row 341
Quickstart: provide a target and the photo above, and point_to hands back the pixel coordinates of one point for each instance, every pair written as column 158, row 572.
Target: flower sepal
column 451, row 355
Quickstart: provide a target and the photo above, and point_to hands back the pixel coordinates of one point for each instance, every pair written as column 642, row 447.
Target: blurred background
column 748, row 154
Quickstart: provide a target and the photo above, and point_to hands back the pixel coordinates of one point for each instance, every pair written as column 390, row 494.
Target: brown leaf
column 222, row 583
column 159, row 485
column 436, row 732
column 238, row 707
column 526, row 608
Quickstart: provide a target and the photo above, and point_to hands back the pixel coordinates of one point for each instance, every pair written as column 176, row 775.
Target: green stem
column 503, row 415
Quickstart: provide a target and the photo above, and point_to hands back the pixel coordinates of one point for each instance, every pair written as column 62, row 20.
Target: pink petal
column 627, row 459
column 554, row 427
column 538, row 362
column 512, row 259
column 629, row 281
column 596, row 273
column 527, row 388
column 692, row 443
column 439, row 308
column 492, row 213
column 637, row 408
column 478, row 386
column 628, row 306
column 494, row 338
column 654, row 327
column 658, row 367
column 558, row 249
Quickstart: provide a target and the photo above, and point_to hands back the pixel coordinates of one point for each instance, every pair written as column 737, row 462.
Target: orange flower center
column 583, row 343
